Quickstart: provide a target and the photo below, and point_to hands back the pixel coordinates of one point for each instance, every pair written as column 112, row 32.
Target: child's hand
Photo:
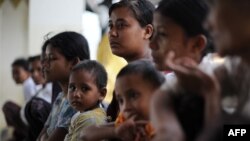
column 126, row 131
column 132, row 130
column 144, row 131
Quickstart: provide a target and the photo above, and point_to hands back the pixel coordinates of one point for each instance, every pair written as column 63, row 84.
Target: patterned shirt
column 60, row 115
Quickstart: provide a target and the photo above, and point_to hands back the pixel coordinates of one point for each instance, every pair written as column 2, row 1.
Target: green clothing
column 82, row 120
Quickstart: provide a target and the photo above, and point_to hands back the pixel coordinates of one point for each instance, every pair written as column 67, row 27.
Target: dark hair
column 70, row 44
column 34, row 58
column 21, row 62
column 144, row 68
column 190, row 15
column 141, row 9
column 95, row 69
column 113, row 109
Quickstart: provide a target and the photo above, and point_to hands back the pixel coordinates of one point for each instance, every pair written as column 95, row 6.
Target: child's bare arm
column 58, row 134
column 98, row 132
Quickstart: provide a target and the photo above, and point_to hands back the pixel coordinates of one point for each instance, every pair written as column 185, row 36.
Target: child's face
column 133, row 94
column 19, row 74
column 56, row 67
column 36, row 72
column 83, row 92
column 125, row 34
column 229, row 28
column 169, row 36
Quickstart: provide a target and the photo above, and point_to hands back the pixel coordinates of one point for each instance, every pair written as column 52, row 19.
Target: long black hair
column 190, row 15
column 70, row 44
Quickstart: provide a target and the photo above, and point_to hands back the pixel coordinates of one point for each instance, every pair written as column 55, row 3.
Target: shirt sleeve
column 29, row 89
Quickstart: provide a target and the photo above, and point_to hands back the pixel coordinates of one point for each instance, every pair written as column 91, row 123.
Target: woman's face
column 36, row 72
column 56, row 67
column 126, row 36
column 168, row 36
column 229, row 28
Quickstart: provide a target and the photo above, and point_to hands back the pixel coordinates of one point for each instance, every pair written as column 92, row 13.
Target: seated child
column 12, row 110
column 87, row 89
column 134, row 87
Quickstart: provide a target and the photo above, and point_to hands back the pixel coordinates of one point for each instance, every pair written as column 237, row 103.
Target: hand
column 163, row 117
column 126, row 131
column 192, row 79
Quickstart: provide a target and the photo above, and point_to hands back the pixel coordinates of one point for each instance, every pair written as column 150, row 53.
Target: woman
column 62, row 52
column 130, row 23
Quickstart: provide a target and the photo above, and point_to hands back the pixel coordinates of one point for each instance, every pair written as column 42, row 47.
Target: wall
column 22, row 29
column 13, row 43
column 52, row 16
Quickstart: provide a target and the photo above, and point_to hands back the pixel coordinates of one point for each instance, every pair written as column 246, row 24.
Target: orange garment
column 150, row 132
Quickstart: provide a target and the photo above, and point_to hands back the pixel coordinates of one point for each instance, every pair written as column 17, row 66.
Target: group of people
column 37, row 95
column 172, row 88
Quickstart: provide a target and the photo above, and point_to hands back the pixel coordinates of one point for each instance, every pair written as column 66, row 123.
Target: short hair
column 70, row 44
column 21, row 62
column 190, row 15
column 144, row 68
column 141, row 9
column 95, row 69
column 34, row 58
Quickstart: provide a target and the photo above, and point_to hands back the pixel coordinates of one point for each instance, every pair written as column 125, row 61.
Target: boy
column 87, row 89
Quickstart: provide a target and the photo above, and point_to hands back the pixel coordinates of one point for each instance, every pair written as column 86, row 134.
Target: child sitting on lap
column 87, row 89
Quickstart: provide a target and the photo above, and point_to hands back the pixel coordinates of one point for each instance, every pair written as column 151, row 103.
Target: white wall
column 1, row 75
column 52, row 16
column 13, row 43
column 21, row 34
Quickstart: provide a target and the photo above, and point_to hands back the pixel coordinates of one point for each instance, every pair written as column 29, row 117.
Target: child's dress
column 80, row 121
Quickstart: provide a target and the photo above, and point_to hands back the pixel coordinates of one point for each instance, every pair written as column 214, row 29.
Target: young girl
column 87, row 89
column 134, row 89
column 227, row 23
column 62, row 52
column 179, row 29
column 130, row 23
